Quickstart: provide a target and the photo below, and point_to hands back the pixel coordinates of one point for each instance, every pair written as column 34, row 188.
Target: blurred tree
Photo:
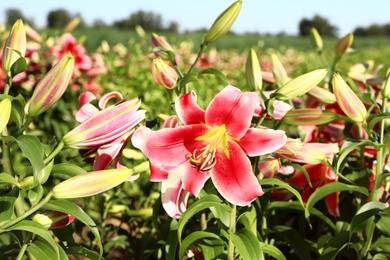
column 58, row 18
column 14, row 14
column 320, row 23
column 360, row 31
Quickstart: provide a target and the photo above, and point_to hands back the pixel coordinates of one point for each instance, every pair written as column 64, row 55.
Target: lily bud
column 72, row 24
column 322, row 95
column 269, row 166
column 158, row 41
column 386, row 85
column 279, row 72
column 300, row 85
column 253, row 71
column 91, row 183
column 52, row 86
column 5, row 113
column 16, row 42
column 309, row 116
column 163, row 73
column 32, row 34
column 344, row 44
column 223, row 23
column 53, row 219
column 347, row 100
column 316, row 39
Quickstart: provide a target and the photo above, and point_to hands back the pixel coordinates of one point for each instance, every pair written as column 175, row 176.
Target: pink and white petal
column 193, row 180
column 232, row 108
column 174, row 198
column 169, row 146
column 233, row 176
column 107, row 97
column 188, row 110
column 259, row 141
column 158, row 173
column 106, row 154
column 86, row 108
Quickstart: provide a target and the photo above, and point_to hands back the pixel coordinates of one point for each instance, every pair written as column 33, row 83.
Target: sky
column 272, row 16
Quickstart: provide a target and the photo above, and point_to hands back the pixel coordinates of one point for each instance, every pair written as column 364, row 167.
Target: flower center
column 204, row 158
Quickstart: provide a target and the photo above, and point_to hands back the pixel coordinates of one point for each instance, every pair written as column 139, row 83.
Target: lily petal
column 332, row 203
column 169, row 146
column 233, row 177
column 232, row 108
column 194, row 180
column 259, row 141
column 86, row 108
column 173, row 196
column 188, row 110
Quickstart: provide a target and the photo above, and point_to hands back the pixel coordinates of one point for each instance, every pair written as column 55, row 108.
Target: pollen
column 204, row 158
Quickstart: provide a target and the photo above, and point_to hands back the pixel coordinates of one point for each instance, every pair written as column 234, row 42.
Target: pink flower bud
column 309, row 116
column 163, row 73
column 15, row 46
column 347, row 100
column 52, row 86
column 344, row 44
column 160, row 42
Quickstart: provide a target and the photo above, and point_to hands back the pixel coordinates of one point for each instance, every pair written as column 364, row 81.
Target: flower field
column 161, row 150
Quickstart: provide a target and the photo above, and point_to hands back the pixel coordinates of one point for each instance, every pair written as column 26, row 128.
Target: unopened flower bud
column 15, row 46
column 309, row 116
column 316, row 39
column 344, row 44
column 386, row 85
column 163, row 73
column 322, row 95
column 160, row 42
column 300, row 85
column 347, row 100
column 253, row 71
column 91, row 183
column 52, row 86
column 32, row 34
column 72, row 24
column 5, row 113
column 279, row 72
column 269, row 166
column 223, row 23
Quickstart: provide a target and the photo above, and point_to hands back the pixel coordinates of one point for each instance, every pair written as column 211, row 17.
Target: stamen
column 204, row 158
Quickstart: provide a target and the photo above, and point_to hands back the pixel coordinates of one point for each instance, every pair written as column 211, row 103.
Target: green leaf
column 7, row 205
column 6, row 178
column 282, row 184
column 327, row 189
column 336, row 244
column 349, row 146
column 377, row 118
column 192, row 76
column 19, row 65
column 35, row 195
column 43, row 250
column 383, row 223
column 203, row 203
column 295, row 240
column 83, row 252
column 35, row 228
column 294, row 205
column 273, row 251
column 172, row 241
column 219, row 74
column 192, row 238
column 17, row 111
column 213, row 249
column 382, row 244
column 33, row 150
column 67, row 169
column 74, row 210
column 365, row 212
column 247, row 244
column 249, row 220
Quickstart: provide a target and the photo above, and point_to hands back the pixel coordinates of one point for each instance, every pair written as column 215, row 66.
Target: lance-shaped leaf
column 5, row 113
column 15, row 46
column 223, row 23
column 52, row 86
column 91, row 183
column 348, row 101
column 253, row 71
column 300, row 85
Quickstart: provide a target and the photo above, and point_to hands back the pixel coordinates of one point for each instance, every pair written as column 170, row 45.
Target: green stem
column 24, row 126
column 6, row 160
column 232, row 230
column 54, row 152
column 28, row 212
column 24, row 247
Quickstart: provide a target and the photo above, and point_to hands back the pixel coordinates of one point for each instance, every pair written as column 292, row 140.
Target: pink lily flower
column 104, row 131
column 213, row 143
column 320, row 175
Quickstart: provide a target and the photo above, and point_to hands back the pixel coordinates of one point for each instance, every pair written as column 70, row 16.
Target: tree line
column 150, row 21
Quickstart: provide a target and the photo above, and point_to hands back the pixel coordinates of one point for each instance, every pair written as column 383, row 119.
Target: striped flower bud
column 91, row 183
column 160, row 42
column 163, row 73
column 52, row 86
column 15, row 46
column 223, row 23
column 322, row 95
column 344, row 44
column 300, row 85
column 309, row 116
column 347, row 100
column 5, row 113
column 253, row 71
